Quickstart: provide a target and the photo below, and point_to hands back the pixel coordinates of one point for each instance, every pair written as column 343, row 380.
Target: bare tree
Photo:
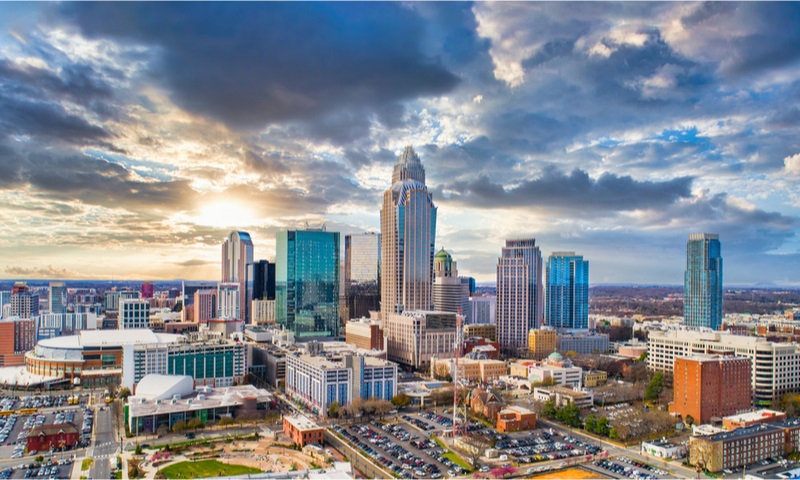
column 475, row 446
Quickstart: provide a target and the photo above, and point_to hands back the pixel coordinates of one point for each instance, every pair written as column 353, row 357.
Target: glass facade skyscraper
column 702, row 283
column 237, row 255
column 307, row 282
column 408, row 235
column 520, row 294
column 362, row 274
column 567, row 279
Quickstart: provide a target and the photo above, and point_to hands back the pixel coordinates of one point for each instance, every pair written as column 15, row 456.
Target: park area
column 205, row 469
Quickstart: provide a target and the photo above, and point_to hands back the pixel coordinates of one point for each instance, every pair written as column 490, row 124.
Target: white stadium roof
column 160, row 387
column 100, row 338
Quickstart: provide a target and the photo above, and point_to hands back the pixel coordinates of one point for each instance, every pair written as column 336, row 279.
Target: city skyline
column 613, row 129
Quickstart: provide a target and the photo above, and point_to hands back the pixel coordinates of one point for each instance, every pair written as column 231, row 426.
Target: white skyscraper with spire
column 408, row 235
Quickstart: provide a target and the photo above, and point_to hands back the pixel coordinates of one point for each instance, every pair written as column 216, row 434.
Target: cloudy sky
column 133, row 136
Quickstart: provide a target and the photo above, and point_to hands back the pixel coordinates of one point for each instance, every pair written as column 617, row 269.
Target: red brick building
column 302, row 430
column 45, row 437
column 707, row 386
column 481, row 343
column 515, row 419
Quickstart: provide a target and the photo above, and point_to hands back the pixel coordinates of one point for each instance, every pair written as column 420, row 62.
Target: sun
column 225, row 214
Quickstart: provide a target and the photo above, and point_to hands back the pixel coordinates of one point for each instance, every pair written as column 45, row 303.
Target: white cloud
column 791, row 165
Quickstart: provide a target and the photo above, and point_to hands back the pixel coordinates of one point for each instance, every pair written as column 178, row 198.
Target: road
column 105, row 444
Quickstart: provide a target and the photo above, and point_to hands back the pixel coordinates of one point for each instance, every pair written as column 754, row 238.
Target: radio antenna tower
column 459, row 401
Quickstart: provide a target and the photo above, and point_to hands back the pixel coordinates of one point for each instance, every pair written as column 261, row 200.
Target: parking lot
column 400, row 449
column 624, row 467
column 541, row 445
column 14, row 428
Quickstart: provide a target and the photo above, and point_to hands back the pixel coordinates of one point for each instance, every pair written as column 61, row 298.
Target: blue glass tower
column 702, row 283
column 307, row 282
column 567, row 304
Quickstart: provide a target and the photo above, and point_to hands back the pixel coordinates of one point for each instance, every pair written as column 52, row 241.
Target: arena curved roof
column 109, row 338
column 159, row 387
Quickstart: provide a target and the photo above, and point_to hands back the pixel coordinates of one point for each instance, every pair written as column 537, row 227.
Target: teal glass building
column 567, row 294
column 702, row 285
column 307, row 282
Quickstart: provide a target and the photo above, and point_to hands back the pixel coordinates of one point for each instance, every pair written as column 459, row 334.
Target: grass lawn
column 452, row 456
column 86, row 463
column 205, row 469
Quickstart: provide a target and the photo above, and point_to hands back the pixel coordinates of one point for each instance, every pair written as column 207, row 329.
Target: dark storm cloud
column 249, row 64
column 45, row 120
column 70, row 176
column 576, row 191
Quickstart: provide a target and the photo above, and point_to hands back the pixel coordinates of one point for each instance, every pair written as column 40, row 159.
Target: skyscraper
column 362, row 274
column 408, row 234
column 567, row 291
column 702, row 283
column 228, row 306
column 262, row 280
column 520, row 295
column 237, row 254
column 307, row 282
column 450, row 292
column 58, row 297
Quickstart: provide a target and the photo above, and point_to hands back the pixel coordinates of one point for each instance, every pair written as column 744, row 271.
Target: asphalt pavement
column 105, row 443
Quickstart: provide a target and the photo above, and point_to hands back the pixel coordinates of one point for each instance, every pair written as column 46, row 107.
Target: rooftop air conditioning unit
column 201, row 396
column 174, row 401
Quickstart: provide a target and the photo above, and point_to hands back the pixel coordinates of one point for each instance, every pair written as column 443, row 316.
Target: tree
column 642, row 357
column 689, row 420
column 549, row 409
column 333, row 409
column 654, row 388
column 272, row 416
column 401, row 400
column 195, row 423
column 602, row 426
column 612, row 434
column 591, row 423
column 475, row 447
column 356, row 407
column 179, row 426
column 441, row 370
column 569, row 414
column 137, row 449
column 382, row 407
column 125, row 393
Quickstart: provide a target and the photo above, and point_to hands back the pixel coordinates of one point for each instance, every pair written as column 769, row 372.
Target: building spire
column 408, row 167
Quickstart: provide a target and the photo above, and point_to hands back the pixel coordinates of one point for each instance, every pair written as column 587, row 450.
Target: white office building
column 134, row 313
column 776, row 366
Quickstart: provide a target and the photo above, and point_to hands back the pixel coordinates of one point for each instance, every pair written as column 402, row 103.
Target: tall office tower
column 237, row 254
column 261, row 280
column 362, row 274
column 24, row 304
column 134, row 313
column 228, row 307
column 5, row 299
column 147, row 290
column 482, row 310
column 450, row 293
column 520, row 305
column 567, row 304
column 307, row 282
column 205, row 305
column 702, row 287
column 58, row 297
column 408, row 234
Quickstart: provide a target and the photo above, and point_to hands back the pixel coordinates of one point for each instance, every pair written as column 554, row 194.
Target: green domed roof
column 555, row 357
column 442, row 255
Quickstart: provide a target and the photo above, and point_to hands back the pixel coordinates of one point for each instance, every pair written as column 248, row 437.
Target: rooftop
column 755, row 416
column 301, row 422
column 100, row 338
column 20, row 377
column 744, row 432
column 198, row 400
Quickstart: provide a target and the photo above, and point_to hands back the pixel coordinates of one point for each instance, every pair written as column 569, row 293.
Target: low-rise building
column 163, row 400
column 515, row 419
column 556, row 369
column 594, row 378
column 562, row 396
column 364, row 333
column 472, row 369
column 742, row 446
column 413, row 337
column 479, row 347
column 46, row 437
column 485, row 402
column 749, row 419
column 485, row 330
column 663, row 449
column 583, row 343
column 302, row 430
